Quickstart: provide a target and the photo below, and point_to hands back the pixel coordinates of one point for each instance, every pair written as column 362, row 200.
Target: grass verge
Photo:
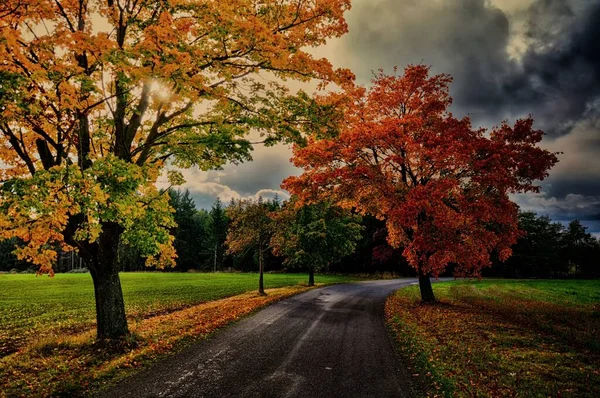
column 499, row 338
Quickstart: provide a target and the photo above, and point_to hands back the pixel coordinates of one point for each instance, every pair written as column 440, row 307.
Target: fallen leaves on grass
column 72, row 365
column 475, row 343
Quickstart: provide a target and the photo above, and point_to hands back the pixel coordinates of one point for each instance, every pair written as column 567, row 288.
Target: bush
column 27, row 271
column 78, row 271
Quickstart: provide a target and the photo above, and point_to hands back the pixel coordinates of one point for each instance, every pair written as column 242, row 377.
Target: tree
column 580, row 248
column 313, row 236
column 441, row 185
column 98, row 95
column 130, row 258
column 190, row 232
column 218, row 233
column 8, row 260
column 250, row 226
column 536, row 252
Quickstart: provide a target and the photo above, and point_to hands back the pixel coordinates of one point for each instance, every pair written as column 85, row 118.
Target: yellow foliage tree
column 97, row 96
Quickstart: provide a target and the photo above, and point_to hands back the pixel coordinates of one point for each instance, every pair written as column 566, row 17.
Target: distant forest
column 547, row 250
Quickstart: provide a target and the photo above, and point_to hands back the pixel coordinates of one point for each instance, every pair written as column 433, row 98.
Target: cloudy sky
column 508, row 58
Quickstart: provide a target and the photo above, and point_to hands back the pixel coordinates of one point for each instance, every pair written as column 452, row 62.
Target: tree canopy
column 313, row 236
column 441, row 186
column 251, row 226
column 98, row 96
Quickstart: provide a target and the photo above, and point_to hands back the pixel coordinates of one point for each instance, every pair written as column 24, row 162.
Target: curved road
column 327, row 342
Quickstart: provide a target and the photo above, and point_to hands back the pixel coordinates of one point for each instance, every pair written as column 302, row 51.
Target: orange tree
column 251, row 226
column 98, row 96
column 441, row 186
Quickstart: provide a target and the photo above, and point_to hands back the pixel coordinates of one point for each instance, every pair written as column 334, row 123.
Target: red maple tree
column 441, row 186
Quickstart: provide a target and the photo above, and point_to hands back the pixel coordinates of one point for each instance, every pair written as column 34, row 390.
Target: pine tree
column 217, row 231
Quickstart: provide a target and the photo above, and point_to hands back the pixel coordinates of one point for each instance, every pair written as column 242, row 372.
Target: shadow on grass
column 493, row 344
column 577, row 327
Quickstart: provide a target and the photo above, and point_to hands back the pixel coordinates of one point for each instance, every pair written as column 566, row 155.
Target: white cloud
column 271, row 193
column 260, row 177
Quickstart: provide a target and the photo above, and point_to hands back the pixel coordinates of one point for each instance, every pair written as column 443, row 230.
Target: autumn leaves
column 97, row 94
column 441, row 186
column 104, row 95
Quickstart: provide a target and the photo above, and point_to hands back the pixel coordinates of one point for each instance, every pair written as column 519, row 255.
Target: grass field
column 32, row 306
column 47, row 324
column 502, row 338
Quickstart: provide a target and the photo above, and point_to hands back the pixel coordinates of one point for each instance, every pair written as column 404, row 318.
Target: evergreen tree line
column 550, row 250
column 547, row 249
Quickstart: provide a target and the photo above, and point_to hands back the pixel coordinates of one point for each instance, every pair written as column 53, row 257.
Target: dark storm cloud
column 562, row 66
column 557, row 78
column 554, row 75
column 560, row 187
column 464, row 38
column 571, row 207
column 579, row 168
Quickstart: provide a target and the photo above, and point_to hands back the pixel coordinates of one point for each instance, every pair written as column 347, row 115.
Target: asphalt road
column 327, row 342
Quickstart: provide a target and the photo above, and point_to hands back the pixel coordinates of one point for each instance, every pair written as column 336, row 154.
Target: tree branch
column 65, row 16
column 19, row 147
column 136, row 120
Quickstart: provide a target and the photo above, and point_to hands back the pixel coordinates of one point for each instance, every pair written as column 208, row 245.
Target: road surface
column 327, row 342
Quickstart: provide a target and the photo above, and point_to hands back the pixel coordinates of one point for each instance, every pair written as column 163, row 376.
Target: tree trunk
column 111, row 322
column 311, row 276
column 261, row 287
column 215, row 264
column 425, row 287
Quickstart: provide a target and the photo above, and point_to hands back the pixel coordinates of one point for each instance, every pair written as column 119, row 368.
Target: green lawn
column 502, row 337
column 33, row 307
column 549, row 291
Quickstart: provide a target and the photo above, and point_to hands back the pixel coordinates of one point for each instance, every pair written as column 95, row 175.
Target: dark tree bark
column 111, row 322
column 215, row 262
column 261, row 287
column 427, row 295
column 311, row 276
